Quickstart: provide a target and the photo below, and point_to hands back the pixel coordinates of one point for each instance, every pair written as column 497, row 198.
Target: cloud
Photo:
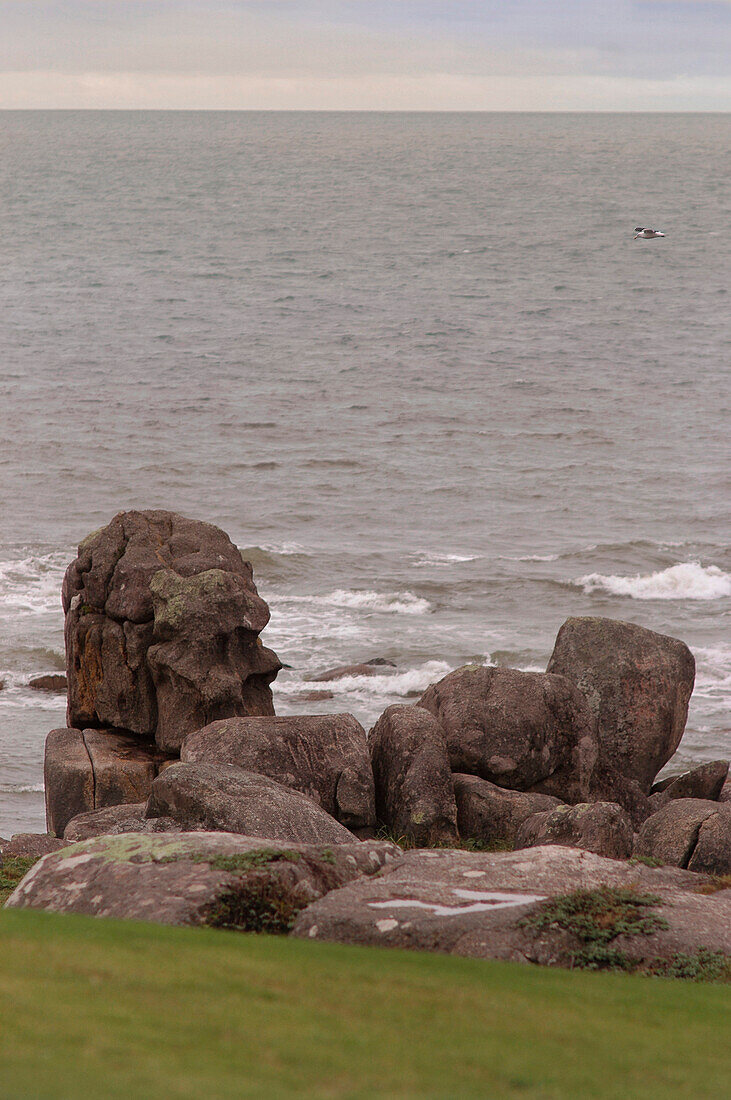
column 379, row 54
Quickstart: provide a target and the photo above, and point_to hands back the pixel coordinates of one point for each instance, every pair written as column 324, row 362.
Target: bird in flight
column 646, row 234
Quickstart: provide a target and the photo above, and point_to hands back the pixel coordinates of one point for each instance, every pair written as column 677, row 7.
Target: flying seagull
column 646, row 234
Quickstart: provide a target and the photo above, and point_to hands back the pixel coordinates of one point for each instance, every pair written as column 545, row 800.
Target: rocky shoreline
column 176, row 795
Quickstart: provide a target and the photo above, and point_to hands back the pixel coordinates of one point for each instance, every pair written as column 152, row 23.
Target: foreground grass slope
column 92, row 1008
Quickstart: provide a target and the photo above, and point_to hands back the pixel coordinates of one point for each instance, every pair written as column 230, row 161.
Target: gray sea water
column 416, row 365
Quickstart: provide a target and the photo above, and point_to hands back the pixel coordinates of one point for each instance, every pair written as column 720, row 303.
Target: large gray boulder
column 469, row 903
column 491, row 814
column 323, row 756
column 515, row 729
column 162, row 629
column 88, row 769
column 704, row 781
column 229, row 799
column 414, row 792
column 113, row 820
column 601, row 827
column 712, row 852
column 195, row 879
column 29, row 846
column 671, row 834
column 637, row 684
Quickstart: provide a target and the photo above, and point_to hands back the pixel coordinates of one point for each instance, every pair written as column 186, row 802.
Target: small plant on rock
column 596, row 918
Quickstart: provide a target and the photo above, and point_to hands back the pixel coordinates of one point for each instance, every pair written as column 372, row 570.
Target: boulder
column 89, row 769
column 114, row 820
column 232, row 800
column 705, row 781
column 515, row 729
column 725, row 795
column 414, row 792
column 600, row 827
column 195, row 879
column 323, row 756
column 469, row 903
column 671, row 834
column 490, row 814
column 637, row 684
column 609, row 785
column 29, row 846
column 162, row 629
column 712, row 853
column 54, row 682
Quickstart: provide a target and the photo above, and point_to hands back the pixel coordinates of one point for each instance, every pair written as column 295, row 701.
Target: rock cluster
column 178, row 787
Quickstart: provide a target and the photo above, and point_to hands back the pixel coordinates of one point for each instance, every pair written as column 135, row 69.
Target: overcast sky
column 367, row 54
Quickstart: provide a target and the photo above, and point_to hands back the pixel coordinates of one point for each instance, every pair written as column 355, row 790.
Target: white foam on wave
column 429, row 558
column 536, row 557
column 21, row 788
column 383, row 684
column 283, row 548
column 688, row 580
column 31, row 585
column 391, row 603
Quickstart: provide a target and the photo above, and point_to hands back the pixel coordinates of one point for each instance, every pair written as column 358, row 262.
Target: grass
column 465, row 844
column 110, row 1009
column 12, row 870
column 717, row 882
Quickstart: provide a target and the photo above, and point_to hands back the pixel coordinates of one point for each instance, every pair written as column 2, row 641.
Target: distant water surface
column 415, row 365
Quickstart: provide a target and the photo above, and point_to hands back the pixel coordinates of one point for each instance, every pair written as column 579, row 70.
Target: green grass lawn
column 96, row 1009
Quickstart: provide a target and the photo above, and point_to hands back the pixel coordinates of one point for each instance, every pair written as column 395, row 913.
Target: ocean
column 414, row 364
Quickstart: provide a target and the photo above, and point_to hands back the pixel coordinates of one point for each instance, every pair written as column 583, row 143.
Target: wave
column 391, row 603
column 32, row 585
column 426, row 557
column 411, row 682
column 685, row 581
column 21, row 788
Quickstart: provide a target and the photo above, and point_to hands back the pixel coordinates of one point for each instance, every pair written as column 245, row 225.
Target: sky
column 526, row 55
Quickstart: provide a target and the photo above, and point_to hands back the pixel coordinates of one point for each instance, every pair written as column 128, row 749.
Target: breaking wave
column 412, row 681
column 685, row 581
column 32, row 585
column 391, row 603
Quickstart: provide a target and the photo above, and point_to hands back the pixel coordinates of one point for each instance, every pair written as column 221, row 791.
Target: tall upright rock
column 162, row 629
column 637, row 685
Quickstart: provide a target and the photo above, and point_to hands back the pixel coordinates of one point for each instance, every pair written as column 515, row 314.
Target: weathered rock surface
column 89, row 769
column 725, row 795
column 229, row 799
column 323, row 756
column 600, row 827
column 199, row 878
column 712, row 853
column 491, row 814
column 53, row 682
column 414, row 791
column 29, row 846
column 472, row 904
column 637, row 684
column 114, row 820
column 162, row 629
column 705, row 781
column 671, row 834
column 515, row 729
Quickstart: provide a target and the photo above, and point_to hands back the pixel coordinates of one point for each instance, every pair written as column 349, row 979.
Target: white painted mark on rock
column 386, row 925
column 482, row 902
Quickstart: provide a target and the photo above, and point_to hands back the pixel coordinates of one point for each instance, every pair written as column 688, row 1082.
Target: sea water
column 415, row 365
